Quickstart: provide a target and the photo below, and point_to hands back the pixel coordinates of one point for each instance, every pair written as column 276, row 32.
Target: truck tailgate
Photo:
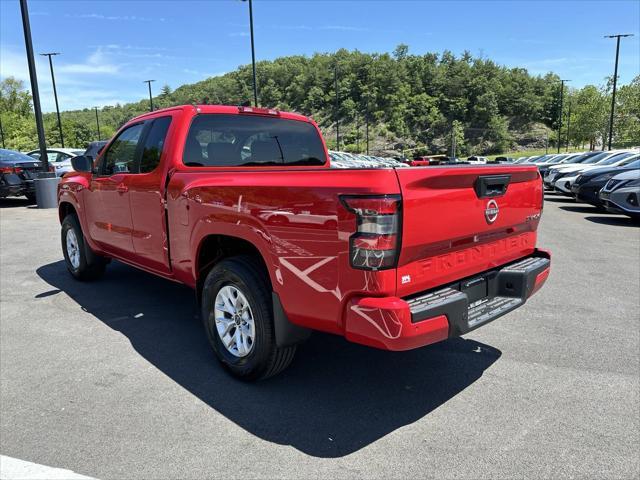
column 462, row 220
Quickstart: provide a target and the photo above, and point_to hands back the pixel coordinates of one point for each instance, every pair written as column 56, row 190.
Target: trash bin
column 46, row 186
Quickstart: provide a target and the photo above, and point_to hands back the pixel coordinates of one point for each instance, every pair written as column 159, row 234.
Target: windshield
column 77, row 152
column 556, row 159
column 9, row 156
column 616, row 158
column 540, row 159
column 596, row 158
column 633, row 163
column 251, row 140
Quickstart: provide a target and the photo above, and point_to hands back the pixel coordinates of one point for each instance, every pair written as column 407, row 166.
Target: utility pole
column 546, row 144
column 2, row 133
column 253, row 56
column 335, row 78
column 560, row 114
column 568, row 124
column 97, row 122
column 357, row 133
column 366, row 119
column 35, row 93
column 148, row 82
column 615, row 81
column 55, row 93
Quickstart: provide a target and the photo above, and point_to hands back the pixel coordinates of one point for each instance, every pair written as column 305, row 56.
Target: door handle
column 122, row 188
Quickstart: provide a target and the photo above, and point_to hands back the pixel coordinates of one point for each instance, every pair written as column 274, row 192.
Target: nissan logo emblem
column 491, row 212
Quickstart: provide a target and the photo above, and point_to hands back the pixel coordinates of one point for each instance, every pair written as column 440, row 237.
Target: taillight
column 10, row 170
column 52, row 168
column 376, row 243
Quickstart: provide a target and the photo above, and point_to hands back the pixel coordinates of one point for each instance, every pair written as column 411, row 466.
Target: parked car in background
column 476, row 159
column 563, row 170
column 621, row 194
column 17, row 172
column 59, row 159
column 565, row 179
column 504, row 160
column 581, row 158
column 521, row 159
column 588, row 184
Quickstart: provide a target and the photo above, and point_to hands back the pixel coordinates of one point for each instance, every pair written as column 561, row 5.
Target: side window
column 120, row 158
column 153, row 144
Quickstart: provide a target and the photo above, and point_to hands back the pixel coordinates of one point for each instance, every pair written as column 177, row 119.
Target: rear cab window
column 218, row 140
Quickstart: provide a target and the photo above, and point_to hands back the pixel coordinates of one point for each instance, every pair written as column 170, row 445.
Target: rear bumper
column 392, row 323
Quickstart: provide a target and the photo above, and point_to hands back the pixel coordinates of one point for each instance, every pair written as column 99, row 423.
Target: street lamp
column 335, row 79
column 615, row 80
column 568, row 124
column 148, row 82
column 560, row 114
column 55, row 93
column 97, row 122
column 253, row 55
column 35, row 94
column 2, row 133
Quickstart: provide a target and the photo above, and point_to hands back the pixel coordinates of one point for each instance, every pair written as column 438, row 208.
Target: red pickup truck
column 241, row 204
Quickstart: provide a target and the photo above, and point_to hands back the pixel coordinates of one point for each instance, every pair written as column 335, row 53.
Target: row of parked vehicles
column 18, row 170
column 608, row 180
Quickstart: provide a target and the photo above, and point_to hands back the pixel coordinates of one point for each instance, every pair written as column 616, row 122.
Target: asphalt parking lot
column 115, row 379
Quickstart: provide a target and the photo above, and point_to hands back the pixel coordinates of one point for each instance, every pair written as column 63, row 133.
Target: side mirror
column 82, row 164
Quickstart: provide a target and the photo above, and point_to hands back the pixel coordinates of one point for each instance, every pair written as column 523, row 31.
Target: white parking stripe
column 14, row 469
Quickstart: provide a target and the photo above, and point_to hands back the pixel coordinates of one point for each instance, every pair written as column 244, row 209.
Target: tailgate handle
column 487, row 186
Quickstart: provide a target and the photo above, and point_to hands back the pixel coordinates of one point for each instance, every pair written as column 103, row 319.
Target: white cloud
column 96, row 63
column 117, row 18
column 344, row 28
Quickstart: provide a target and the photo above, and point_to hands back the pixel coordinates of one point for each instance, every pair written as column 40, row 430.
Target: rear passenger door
column 146, row 197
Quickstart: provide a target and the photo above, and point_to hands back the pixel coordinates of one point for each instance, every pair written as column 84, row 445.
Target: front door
column 107, row 198
column 146, row 196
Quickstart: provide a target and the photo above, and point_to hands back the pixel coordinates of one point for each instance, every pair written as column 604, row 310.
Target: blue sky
column 109, row 47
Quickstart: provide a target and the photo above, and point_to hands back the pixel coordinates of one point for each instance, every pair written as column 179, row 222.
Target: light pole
column 615, row 80
column 560, row 114
column 366, row 125
column 35, row 94
column 335, row 80
column 55, row 93
column 148, row 82
column 253, row 55
column 2, row 133
column 97, row 122
column 568, row 124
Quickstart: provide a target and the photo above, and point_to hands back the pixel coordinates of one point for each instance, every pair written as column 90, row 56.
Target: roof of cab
column 227, row 109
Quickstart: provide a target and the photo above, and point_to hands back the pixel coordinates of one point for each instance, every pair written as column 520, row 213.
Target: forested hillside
column 409, row 100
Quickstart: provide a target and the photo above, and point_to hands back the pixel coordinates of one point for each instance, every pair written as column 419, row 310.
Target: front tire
column 237, row 312
column 81, row 261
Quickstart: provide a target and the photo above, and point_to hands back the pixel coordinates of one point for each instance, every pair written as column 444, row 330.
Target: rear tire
column 81, row 261
column 245, row 321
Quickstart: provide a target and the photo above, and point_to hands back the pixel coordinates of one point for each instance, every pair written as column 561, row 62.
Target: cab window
column 120, row 158
column 153, row 144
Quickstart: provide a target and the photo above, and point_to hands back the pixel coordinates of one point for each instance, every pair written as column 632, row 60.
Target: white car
column 59, row 159
column 476, row 159
column 564, row 179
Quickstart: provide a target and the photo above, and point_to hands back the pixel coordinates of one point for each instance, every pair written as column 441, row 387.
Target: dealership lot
column 114, row 379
